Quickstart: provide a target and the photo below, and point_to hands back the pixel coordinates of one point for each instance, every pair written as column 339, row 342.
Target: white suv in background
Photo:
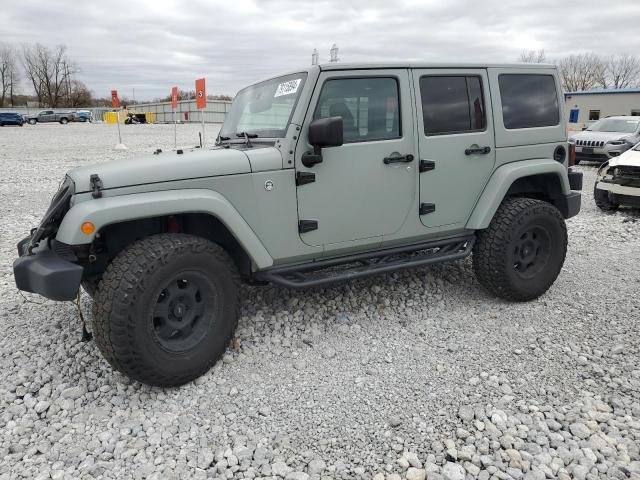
column 606, row 139
column 618, row 181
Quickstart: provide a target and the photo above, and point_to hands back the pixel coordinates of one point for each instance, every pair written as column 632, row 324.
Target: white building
column 583, row 108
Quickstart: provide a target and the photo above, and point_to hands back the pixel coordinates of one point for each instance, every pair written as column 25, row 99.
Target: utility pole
column 314, row 57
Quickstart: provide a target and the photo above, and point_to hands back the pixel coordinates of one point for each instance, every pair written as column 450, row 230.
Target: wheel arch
column 542, row 179
column 128, row 218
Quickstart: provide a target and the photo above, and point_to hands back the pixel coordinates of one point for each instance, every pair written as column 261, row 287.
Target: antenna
column 333, row 53
column 314, row 57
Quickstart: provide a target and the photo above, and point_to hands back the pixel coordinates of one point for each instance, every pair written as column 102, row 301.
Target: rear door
column 455, row 141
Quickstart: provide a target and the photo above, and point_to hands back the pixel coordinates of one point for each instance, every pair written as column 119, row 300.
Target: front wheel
column 33, row 121
column 601, row 197
column 521, row 253
column 166, row 309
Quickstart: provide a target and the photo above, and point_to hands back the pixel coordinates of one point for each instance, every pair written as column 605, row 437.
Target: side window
column 529, row 100
column 452, row 104
column 369, row 107
column 594, row 114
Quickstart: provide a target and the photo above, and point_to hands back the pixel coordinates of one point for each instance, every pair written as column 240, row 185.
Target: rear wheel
column 522, row 252
column 166, row 309
column 64, row 121
column 601, row 197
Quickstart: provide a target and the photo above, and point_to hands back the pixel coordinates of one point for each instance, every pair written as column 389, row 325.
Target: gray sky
column 151, row 45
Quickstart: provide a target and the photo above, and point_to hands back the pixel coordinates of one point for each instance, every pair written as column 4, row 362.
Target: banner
column 174, row 97
column 115, row 103
column 201, row 94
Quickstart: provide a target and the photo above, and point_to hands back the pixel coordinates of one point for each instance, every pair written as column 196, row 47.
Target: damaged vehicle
column 618, row 181
column 607, row 138
column 327, row 174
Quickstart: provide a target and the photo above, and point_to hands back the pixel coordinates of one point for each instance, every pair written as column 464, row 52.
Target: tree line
column 49, row 72
column 584, row 71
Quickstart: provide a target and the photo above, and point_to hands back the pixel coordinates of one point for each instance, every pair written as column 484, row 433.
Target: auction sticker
column 287, row 88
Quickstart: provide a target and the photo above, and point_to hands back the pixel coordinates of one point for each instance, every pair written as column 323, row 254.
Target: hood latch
column 96, row 185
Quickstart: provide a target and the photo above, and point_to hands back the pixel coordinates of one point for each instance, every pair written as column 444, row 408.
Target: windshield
column 614, row 125
column 264, row 109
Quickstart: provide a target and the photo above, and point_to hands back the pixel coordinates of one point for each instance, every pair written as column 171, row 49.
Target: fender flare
column 109, row 210
column 502, row 179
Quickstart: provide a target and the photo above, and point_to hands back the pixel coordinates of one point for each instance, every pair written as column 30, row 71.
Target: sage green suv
column 322, row 175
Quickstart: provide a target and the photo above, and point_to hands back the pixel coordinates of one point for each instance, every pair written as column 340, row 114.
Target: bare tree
column 533, row 56
column 49, row 72
column 9, row 73
column 581, row 71
column 79, row 95
column 623, row 71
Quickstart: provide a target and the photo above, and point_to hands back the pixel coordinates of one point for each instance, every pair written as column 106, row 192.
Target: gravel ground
column 418, row 374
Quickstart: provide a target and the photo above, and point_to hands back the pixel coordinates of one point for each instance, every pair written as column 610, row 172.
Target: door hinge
column 305, row 226
column 426, row 165
column 302, row 178
column 427, row 208
column 95, row 184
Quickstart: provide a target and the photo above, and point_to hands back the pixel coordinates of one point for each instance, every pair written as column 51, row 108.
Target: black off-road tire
column 137, row 281
column 522, row 230
column 601, row 197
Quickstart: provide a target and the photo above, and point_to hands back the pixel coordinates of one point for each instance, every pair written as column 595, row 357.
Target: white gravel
column 412, row 375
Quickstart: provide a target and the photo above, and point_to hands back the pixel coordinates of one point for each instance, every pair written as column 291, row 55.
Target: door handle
column 395, row 157
column 473, row 149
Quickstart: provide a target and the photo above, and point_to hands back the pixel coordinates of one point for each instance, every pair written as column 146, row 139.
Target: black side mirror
column 323, row 132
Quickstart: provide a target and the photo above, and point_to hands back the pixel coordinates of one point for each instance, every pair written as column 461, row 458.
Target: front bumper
column 46, row 273
column 600, row 154
column 618, row 189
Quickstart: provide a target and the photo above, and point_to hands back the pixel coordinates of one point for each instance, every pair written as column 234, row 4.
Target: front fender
column 503, row 178
column 105, row 211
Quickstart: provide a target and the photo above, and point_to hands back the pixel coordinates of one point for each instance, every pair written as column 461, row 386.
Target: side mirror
column 323, row 132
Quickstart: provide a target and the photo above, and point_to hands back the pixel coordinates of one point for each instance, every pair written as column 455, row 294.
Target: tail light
column 572, row 154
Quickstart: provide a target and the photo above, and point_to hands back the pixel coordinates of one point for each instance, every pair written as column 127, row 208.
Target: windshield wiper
column 247, row 136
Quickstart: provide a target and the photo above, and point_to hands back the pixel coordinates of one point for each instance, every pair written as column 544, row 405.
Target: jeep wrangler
column 326, row 174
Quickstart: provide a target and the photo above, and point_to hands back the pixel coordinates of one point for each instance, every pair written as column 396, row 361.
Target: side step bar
column 323, row 272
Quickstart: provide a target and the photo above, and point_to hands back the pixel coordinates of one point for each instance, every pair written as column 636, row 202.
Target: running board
column 323, row 272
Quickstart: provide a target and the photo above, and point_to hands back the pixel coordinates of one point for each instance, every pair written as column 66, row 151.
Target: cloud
column 152, row 45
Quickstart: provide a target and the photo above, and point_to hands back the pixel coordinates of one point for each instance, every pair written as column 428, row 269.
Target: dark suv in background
column 7, row 118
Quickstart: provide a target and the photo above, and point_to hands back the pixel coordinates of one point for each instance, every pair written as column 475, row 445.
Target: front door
column 356, row 194
column 456, row 142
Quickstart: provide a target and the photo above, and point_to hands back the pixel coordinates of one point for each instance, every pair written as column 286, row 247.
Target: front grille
column 59, row 206
column 589, row 143
column 628, row 171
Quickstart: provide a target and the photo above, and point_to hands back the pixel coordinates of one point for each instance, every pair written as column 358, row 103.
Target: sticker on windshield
column 287, row 88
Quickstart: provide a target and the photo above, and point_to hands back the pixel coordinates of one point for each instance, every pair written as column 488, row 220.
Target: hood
column 601, row 136
column 630, row 158
column 164, row 167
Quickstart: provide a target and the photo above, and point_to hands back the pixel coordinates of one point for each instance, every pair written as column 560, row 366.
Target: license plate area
column 587, row 149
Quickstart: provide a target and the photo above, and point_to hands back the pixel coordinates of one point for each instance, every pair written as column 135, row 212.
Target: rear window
column 529, row 100
column 452, row 104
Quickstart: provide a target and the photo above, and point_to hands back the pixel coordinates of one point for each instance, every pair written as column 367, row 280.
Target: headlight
column 616, row 171
column 617, row 142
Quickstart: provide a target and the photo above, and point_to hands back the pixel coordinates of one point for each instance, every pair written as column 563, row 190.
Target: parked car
column 46, row 116
column 328, row 174
column 618, row 181
column 82, row 116
column 9, row 118
column 606, row 138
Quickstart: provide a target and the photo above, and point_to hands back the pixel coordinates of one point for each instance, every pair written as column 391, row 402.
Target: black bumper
column 569, row 204
column 44, row 272
column 575, row 180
